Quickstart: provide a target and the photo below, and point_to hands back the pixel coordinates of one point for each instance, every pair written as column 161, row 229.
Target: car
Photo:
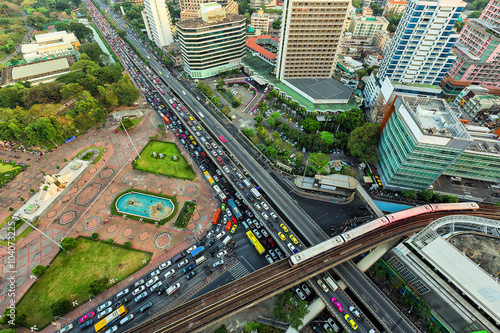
column 187, row 269
column 292, row 248
column 104, row 306
column 164, row 265
column 214, row 153
column 190, row 275
column 306, row 289
column 228, row 212
column 269, row 259
column 155, row 273
column 249, row 213
column 139, row 298
column 273, row 215
column 240, row 185
column 210, row 233
column 87, row 316
column 294, row 240
column 104, row 313
column 257, row 233
column 239, row 175
column 218, row 263
column 145, row 307
column 239, row 196
column 273, row 255
column 264, row 205
column 264, row 232
column 323, row 286
column 333, row 325
column 217, row 228
column 265, row 216
column 280, row 254
column 257, row 206
column 233, row 229
column 220, row 161
column 112, row 329
column 121, row 302
column 152, row 281
column 156, row 286
column 85, row 325
column 283, row 226
column 191, row 249
column 350, row 322
column 169, row 273
column 281, row 236
column 126, row 319
column 354, row 311
column 163, row 289
column 300, row 293
column 337, row 304
column 182, row 263
column 221, row 254
column 271, row 242
column 226, row 169
column 257, row 223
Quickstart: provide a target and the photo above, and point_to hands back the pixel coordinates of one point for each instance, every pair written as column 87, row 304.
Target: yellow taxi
column 294, row 240
column 280, row 234
column 351, row 322
column 233, row 229
column 199, row 128
column 191, row 118
column 191, row 137
column 283, row 226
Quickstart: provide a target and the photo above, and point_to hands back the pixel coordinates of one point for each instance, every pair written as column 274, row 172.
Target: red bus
column 216, row 217
column 222, row 139
column 166, row 120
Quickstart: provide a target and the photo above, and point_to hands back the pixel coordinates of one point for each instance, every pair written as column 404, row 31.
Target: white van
column 246, row 183
column 200, row 260
column 220, row 235
column 128, row 318
column 226, row 240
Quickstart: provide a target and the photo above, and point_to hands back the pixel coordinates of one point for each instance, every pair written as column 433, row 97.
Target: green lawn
column 69, row 276
column 185, row 215
column 135, row 121
column 8, row 171
column 6, row 167
column 165, row 166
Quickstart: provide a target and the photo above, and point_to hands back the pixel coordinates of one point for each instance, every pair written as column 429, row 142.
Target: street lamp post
column 133, row 145
column 40, row 231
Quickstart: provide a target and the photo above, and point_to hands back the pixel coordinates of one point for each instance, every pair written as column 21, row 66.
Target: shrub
column 39, row 270
column 58, row 167
column 68, row 243
column 98, row 286
column 110, row 241
column 95, row 235
column 61, row 307
column 65, row 160
column 11, row 209
column 128, row 245
column 22, row 199
column 32, row 190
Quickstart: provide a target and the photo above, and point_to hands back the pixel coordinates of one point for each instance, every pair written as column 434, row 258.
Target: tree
column 363, row 142
column 61, row 307
column 271, row 152
column 474, row 14
column 459, row 25
column 95, row 235
column 71, row 90
column 376, row 9
column 248, row 132
column 287, row 309
column 39, row 270
column 44, row 93
column 271, row 122
column 319, row 161
column 350, row 119
column 8, row 330
column 81, row 31
column 221, row 84
column 262, row 133
column 98, row 286
column 327, row 138
column 409, row 194
column 125, row 91
column 277, row 24
column 95, row 53
column 311, row 125
column 36, row 21
column 68, row 243
column 13, row 317
column 258, row 120
column 425, row 195
column 127, row 123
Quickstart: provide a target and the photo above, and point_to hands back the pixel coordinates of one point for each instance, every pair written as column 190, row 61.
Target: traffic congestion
column 243, row 222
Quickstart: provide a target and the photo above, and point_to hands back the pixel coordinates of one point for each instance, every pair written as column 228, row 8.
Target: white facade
column 374, row 88
column 146, row 24
column 420, row 51
column 159, row 22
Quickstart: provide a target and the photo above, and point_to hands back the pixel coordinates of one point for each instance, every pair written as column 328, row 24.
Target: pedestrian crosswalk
column 238, row 271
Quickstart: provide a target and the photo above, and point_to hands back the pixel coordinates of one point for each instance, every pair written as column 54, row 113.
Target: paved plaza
column 86, row 206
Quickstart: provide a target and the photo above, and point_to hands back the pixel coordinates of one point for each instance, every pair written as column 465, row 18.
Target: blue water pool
column 391, row 207
column 145, row 205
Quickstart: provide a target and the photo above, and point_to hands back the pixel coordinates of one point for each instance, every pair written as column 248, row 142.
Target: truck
column 256, row 193
column 178, row 257
column 173, row 288
column 197, row 252
column 330, row 282
column 235, row 209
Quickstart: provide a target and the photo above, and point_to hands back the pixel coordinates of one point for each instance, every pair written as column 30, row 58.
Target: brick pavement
column 87, row 205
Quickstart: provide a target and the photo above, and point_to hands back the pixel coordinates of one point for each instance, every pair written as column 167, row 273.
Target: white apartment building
column 49, row 46
column 366, row 26
column 420, row 51
column 260, row 22
column 158, row 22
column 311, row 36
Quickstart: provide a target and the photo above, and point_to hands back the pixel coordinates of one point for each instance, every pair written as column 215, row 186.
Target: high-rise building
column 420, row 52
column 212, row 43
column 310, row 38
column 189, row 8
column 478, row 54
column 420, row 138
column 158, row 23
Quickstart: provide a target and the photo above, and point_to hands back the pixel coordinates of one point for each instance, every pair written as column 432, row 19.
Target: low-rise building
column 257, row 4
column 476, row 100
column 212, row 43
column 380, row 38
column 260, row 22
column 50, row 46
column 365, row 26
column 262, row 46
column 395, row 6
column 350, row 65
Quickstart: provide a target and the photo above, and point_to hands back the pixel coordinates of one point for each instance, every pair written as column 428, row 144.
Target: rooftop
column 34, row 69
column 252, row 43
column 263, row 69
column 199, row 23
column 322, row 89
